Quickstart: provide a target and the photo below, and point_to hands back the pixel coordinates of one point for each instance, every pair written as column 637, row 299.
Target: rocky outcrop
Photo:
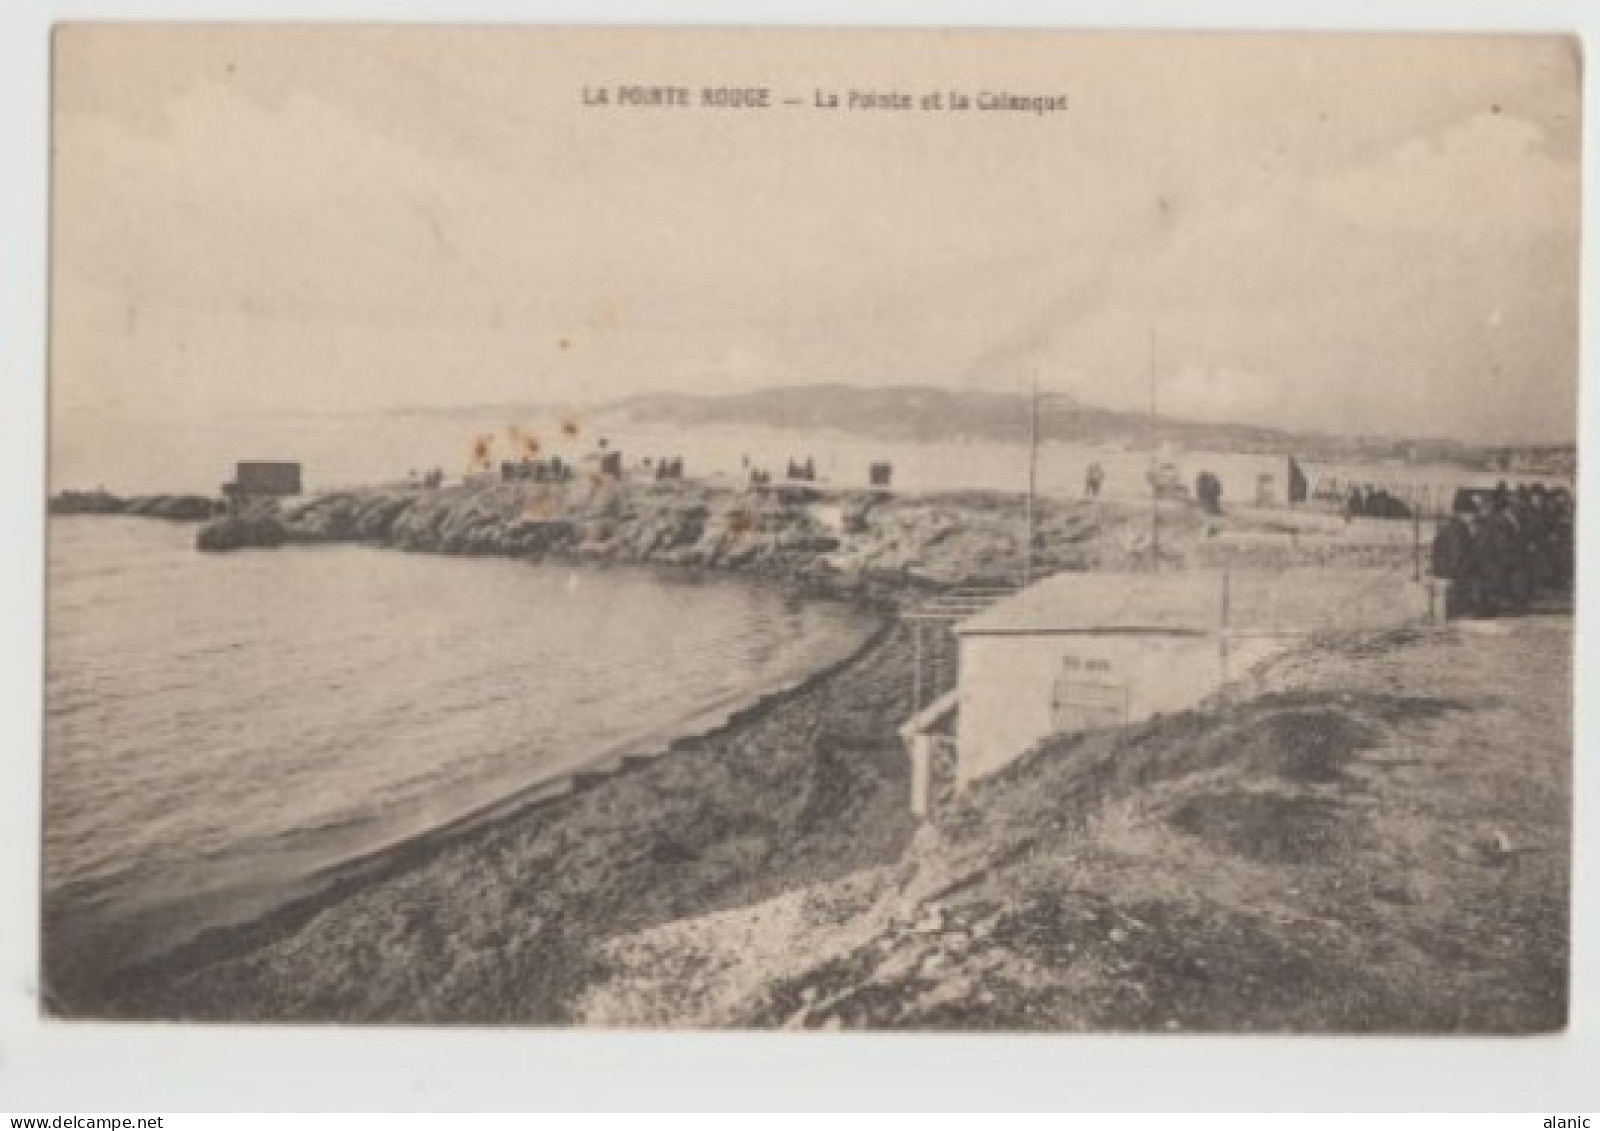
column 178, row 508
column 237, row 532
column 844, row 542
column 839, row 540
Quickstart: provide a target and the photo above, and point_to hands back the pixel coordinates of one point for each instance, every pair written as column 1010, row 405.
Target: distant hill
column 925, row 413
column 898, row 413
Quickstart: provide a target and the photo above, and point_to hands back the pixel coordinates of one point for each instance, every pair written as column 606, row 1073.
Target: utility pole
column 1222, row 631
column 1416, row 537
column 1155, row 481
column 1033, row 477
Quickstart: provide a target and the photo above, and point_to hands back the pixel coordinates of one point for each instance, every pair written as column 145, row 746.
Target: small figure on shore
column 802, row 472
column 1093, row 477
column 1297, row 482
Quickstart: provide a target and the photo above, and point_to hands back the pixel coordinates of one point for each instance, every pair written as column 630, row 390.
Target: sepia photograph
column 811, row 529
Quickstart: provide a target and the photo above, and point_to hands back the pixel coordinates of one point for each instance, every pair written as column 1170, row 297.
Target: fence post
column 921, row 774
column 916, row 666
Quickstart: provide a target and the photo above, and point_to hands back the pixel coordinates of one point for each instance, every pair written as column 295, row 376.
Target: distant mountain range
column 925, row 413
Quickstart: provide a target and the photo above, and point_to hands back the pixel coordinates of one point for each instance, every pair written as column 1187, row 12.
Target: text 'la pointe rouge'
column 870, row 101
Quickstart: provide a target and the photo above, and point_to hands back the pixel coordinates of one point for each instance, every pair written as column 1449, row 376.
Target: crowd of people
column 1374, row 502
column 667, row 467
column 552, row 470
column 1502, row 548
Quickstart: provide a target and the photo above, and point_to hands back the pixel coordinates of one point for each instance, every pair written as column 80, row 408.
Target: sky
column 1364, row 234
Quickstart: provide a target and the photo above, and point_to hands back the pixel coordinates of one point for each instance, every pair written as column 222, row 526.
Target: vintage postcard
column 811, row 529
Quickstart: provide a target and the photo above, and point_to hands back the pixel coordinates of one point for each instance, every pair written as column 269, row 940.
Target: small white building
column 1080, row 651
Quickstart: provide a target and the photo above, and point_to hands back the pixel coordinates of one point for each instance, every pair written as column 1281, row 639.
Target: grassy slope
column 1376, row 838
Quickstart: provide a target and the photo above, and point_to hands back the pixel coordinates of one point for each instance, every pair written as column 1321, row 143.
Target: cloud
column 1329, row 232
column 1487, row 178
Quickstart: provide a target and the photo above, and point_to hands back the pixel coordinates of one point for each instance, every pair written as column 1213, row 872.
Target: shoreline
column 237, row 914
column 686, row 793
column 856, row 544
column 1049, row 899
column 155, row 989
column 327, row 884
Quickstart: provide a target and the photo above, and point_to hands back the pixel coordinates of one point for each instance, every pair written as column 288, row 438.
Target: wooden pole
column 1416, row 540
column 1224, row 633
column 921, row 774
column 1155, row 489
column 1033, row 476
column 916, row 666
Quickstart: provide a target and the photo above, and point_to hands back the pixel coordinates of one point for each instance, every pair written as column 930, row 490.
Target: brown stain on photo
column 542, row 505
column 523, row 441
column 606, row 317
column 482, row 458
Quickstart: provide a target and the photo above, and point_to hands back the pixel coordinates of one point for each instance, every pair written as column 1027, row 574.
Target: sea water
column 219, row 728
